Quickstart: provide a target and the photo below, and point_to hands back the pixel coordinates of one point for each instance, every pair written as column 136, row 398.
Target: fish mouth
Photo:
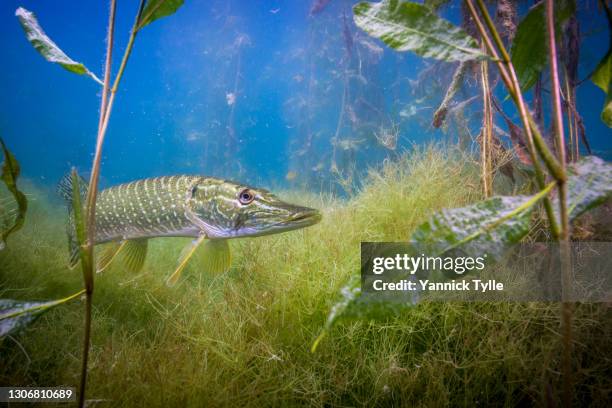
column 299, row 218
column 308, row 215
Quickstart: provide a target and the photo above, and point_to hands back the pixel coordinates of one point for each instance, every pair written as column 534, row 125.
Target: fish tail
column 65, row 190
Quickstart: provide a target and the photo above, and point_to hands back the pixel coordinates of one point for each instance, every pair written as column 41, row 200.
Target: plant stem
column 106, row 105
column 514, row 88
column 486, row 135
column 90, row 208
column 506, row 70
column 562, row 187
column 86, row 343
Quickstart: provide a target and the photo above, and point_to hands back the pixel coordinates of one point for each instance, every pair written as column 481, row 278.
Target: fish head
column 230, row 210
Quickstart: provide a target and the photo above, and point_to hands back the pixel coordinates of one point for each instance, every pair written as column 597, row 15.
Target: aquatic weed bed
column 243, row 338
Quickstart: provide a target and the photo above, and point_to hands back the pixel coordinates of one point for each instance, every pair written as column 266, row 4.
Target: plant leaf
column 155, row 9
column 603, row 73
column 589, row 184
column 354, row 304
column 529, row 52
column 80, row 225
column 46, row 47
column 606, row 112
column 10, row 173
column 16, row 315
column 487, row 228
column 406, row 26
column 435, row 5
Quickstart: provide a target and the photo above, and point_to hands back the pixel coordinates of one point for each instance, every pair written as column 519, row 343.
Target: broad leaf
column 487, row 228
column 529, row 49
column 355, row 304
column 155, row 9
column 10, row 173
column 46, row 47
column 16, row 315
column 606, row 112
column 603, row 73
column 589, row 185
column 406, row 26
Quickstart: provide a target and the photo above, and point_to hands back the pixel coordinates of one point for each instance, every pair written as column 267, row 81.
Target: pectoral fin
column 108, row 254
column 216, row 255
column 133, row 254
column 186, row 255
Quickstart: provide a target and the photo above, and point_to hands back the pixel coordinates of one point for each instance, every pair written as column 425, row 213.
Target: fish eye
column 246, row 196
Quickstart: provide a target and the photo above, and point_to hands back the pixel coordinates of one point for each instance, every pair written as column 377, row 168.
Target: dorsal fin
column 65, row 189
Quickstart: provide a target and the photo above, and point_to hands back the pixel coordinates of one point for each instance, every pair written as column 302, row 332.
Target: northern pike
column 209, row 209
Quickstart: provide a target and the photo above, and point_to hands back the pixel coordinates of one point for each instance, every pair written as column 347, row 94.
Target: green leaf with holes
column 487, row 228
column 407, row 26
column 589, row 184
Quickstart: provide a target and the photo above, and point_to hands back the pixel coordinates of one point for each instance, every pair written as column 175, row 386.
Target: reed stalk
column 88, row 266
column 106, row 104
column 486, row 133
column 566, row 260
column 535, row 142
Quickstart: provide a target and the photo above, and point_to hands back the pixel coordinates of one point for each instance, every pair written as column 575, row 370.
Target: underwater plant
column 496, row 224
column 208, row 209
column 12, row 219
column 85, row 213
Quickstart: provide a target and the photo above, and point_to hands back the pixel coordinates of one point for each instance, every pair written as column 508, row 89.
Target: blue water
column 172, row 114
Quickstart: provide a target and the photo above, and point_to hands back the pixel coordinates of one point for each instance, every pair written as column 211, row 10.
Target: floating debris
column 347, row 144
column 387, row 136
column 372, row 48
column 320, row 166
column 290, row 176
column 318, row 6
column 412, row 110
column 230, row 97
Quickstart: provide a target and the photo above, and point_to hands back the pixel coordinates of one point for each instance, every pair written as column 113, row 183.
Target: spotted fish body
column 205, row 208
column 153, row 207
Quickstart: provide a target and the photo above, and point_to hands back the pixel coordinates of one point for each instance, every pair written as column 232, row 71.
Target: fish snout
column 305, row 216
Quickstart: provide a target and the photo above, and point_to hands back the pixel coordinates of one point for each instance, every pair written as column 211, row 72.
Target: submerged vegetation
column 293, row 328
column 243, row 338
